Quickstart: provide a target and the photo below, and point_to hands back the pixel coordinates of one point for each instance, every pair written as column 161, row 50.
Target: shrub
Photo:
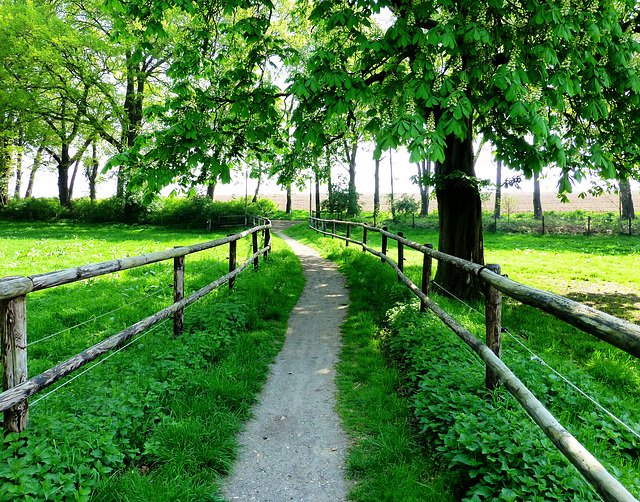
column 43, row 209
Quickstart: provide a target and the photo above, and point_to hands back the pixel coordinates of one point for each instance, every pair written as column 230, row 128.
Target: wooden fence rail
column 605, row 484
column 17, row 388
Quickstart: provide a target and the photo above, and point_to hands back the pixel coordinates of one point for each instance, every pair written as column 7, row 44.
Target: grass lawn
column 158, row 420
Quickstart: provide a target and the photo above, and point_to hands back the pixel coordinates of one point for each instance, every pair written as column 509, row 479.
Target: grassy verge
column 442, row 382
column 158, row 420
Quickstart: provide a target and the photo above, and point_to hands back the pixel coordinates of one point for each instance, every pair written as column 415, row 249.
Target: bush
column 30, row 209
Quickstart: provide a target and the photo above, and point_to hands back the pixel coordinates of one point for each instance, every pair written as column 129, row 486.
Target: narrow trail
column 294, row 448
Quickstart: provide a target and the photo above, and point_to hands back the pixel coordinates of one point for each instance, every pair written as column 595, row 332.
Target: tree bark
column 5, row 167
column 20, row 144
column 392, row 203
column 352, row 204
column 376, row 192
column 317, row 192
column 32, row 177
column 626, row 200
column 91, row 168
column 288, row 208
column 211, row 188
column 497, row 211
column 537, row 204
column 424, row 169
column 460, row 218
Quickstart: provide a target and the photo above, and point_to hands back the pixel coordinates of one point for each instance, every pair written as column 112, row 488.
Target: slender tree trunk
column 328, row 161
column 72, row 182
column 5, row 167
column 352, row 204
column 626, row 200
column 91, row 168
column 497, row 211
column 16, row 193
column 255, row 195
column 460, row 218
column 537, row 203
column 318, row 192
column 423, row 187
column 393, row 205
column 288, row 208
column 32, row 177
column 376, row 191
column 211, row 188
column 427, row 170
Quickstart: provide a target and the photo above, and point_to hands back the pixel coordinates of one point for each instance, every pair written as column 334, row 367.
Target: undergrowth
column 158, row 420
column 486, row 444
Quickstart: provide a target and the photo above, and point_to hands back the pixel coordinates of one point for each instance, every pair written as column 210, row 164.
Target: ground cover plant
column 158, row 420
column 444, row 381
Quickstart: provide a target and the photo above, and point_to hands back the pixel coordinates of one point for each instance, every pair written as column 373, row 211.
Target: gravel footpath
column 294, row 448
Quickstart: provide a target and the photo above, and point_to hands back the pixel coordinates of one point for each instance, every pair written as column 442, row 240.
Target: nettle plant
column 492, row 443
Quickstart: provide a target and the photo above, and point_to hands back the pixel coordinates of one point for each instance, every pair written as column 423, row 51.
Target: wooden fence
column 16, row 386
column 622, row 334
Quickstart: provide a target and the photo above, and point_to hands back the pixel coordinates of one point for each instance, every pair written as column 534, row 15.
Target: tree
column 626, row 200
column 526, row 76
column 537, row 203
column 497, row 208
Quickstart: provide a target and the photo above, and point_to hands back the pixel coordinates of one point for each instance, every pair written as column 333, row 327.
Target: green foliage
column 337, row 201
column 406, row 205
column 192, row 212
column 497, row 451
column 157, row 421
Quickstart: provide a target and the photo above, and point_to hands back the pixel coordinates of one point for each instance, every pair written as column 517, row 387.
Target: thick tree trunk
column 32, row 177
column 537, row 203
column 460, row 218
column 288, row 208
column 91, row 168
column 376, row 192
column 626, row 200
column 63, row 177
column 497, row 211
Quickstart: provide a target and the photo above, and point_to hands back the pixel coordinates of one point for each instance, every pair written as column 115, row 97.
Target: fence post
column 543, row 224
column 324, row 226
column 13, row 327
column 364, row 238
column 232, row 261
column 178, row 294
column 267, row 242
column 427, row 263
column 333, row 228
column 589, row 226
column 384, row 243
column 493, row 315
column 400, row 255
column 348, row 234
column 254, row 241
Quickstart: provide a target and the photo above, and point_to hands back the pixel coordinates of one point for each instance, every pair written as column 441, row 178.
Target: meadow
column 157, row 420
column 480, row 448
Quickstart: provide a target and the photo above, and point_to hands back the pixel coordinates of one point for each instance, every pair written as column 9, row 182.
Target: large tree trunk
column 32, row 177
column 460, row 218
column 537, row 203
column 63, row 177
column 626, row 200
column 497, row 211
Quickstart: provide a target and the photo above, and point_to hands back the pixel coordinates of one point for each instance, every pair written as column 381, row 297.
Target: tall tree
column 535, row 78
column 497, row 211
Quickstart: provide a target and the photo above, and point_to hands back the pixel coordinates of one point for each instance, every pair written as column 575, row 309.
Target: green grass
column 158, row 420
column 549, row 262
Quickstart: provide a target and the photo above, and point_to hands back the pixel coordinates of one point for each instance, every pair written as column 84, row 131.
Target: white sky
column 47, row 185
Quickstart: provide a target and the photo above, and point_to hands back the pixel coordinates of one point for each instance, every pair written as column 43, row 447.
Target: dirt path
column 294, row 448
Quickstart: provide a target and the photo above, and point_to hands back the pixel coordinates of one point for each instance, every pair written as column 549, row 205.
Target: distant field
column 550, row 202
